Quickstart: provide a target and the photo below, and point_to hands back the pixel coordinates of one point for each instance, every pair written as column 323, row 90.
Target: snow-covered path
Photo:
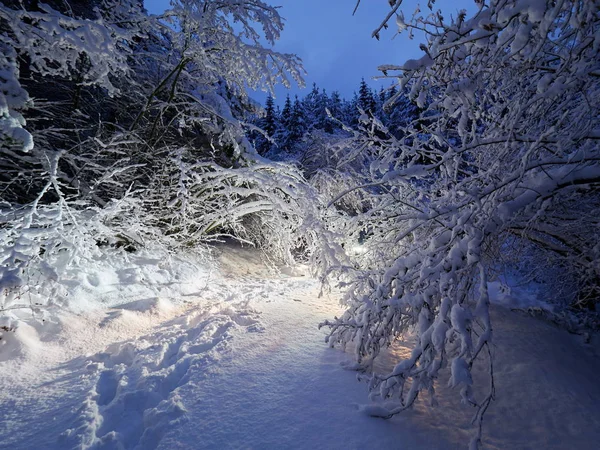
column 283, row 388
column 241, row 364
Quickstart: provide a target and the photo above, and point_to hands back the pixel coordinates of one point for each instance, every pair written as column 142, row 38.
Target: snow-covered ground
column 189, row 358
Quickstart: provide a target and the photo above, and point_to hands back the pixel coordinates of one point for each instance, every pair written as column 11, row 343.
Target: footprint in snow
column 135, row 398
column 106, row 387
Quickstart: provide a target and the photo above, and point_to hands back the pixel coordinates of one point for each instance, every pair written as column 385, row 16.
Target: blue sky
column 336, row 47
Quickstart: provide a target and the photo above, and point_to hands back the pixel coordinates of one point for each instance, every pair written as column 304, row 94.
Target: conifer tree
column 321, row 112
column 286, row 113
column 268, row 124
column 270, row 120
column 336, row 108
column 298, row 123
column 366, row 100
column 283, row 136
column 351, row 111
column 314, row 108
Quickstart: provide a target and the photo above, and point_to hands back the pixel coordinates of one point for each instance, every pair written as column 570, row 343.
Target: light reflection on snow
column 358, row 250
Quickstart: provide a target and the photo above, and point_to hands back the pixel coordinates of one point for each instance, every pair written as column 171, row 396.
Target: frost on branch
column 13, row 99
column 59, row 45
column 506, row 150
column 139, row 137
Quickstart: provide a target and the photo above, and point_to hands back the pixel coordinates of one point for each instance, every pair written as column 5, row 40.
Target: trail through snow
column 241, row 364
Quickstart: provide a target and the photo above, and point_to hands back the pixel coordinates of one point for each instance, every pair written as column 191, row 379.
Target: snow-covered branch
column 506, row 146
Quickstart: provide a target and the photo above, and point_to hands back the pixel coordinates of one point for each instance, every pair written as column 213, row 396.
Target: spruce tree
column 298, row 123
column 270, row 119
column 310, row 106
column 268, row 123
column 366, row 100
column 336, row 107
column 351, row 111
column 286, row 114
column 322, row 121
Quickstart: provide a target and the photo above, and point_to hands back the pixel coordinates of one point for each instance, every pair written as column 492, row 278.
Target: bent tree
column 505, row 155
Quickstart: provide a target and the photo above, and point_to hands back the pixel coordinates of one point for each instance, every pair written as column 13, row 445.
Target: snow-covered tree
column 13, row 100
column 268, row 123
column 507, row 146
column 295, row 125
column 366, row 99
column 311, row 104
column 130, row 113
column 336, row 109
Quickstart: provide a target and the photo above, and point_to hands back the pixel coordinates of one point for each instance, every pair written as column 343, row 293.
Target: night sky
column 336, row 47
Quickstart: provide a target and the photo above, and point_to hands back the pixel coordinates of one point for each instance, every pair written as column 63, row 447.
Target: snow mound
column 517, row 297
column 130, row 288
column 18, row 339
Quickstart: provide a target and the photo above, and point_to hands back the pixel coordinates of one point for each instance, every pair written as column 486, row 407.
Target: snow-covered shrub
column 58, row 45
column 132, row 143
column 13, row 99
column 507, row 145
column 262, row 203
column 39, row 244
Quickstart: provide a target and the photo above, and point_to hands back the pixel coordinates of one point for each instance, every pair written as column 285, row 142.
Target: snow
column 510, row 294
column 200, row 357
